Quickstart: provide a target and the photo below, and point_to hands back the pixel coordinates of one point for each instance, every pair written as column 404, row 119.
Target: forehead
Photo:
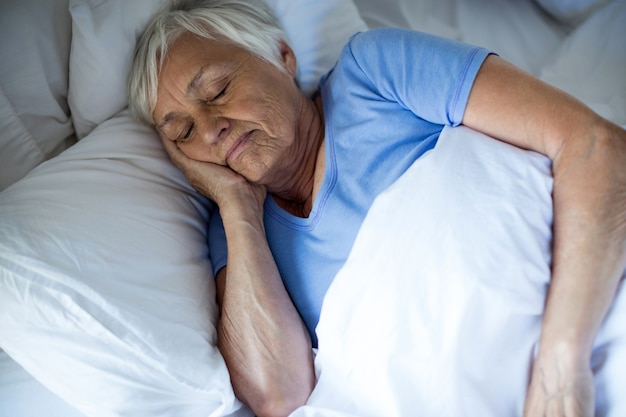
column 191, row 63
column 188, row 43
column 189, row 53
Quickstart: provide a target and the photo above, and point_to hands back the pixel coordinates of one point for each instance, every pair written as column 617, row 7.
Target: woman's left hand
column 560, row 389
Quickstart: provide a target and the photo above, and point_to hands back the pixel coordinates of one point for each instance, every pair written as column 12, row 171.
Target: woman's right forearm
column 261, row 335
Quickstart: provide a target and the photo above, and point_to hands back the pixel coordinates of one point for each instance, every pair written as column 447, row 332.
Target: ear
column 288, row 58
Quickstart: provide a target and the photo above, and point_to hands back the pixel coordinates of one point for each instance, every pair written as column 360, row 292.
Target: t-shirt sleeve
column 426, row 74
column 217, row 242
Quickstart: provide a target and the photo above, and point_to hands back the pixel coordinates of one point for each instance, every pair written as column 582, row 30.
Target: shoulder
column 391, row 40
column 389, row 49
column 428, row 74
column 365, row 50
column 373, row 40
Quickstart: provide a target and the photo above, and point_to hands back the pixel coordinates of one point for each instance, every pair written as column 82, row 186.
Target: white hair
column 247, row 23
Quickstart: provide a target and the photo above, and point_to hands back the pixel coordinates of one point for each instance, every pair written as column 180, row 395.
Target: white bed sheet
column 587, row 60
column 22, row 396
column 526, row 36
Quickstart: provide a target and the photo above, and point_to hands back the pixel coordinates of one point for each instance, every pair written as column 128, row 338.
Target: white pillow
column 105, row 33
column 34, row 54
column 106, row 290
column 570, row 12
column 591, row 63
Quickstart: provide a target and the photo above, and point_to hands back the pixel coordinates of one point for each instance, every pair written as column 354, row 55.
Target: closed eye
column 221, row 93
column 187, row 134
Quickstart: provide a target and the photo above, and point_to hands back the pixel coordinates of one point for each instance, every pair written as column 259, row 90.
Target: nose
column 213, row 128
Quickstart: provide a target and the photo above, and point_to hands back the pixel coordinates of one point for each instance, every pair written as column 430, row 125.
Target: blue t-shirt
column 385, row 104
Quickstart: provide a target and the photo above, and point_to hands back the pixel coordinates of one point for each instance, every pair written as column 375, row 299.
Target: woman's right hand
column 216, row 182
column 265, row 345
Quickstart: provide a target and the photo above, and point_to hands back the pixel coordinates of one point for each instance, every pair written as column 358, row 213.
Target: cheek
column 197, row 152
column 273, row 105
column 279, row 118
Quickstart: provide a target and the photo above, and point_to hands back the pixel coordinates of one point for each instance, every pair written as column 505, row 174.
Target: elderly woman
column 294, row 176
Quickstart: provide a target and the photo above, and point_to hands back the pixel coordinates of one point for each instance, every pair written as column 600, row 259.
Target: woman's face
column 223, row 105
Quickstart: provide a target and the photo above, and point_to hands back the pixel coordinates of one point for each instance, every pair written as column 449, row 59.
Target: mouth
column 237, row 147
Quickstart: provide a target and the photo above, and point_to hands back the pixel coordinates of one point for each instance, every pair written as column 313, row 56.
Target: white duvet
column 438, row 310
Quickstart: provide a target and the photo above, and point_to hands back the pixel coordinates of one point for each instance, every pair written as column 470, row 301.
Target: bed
column 106, row 295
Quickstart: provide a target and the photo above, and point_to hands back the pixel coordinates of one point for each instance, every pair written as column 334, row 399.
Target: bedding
column 428, row 314
column 23, row 395
column 106, row 294
column 571, row 11
column 35, row 123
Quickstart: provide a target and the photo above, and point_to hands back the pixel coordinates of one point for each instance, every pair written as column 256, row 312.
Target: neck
column 295, row 191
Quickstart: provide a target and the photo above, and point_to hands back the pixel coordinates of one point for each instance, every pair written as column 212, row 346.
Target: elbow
column 276, row 401
column 271, row 397
column 278, row 406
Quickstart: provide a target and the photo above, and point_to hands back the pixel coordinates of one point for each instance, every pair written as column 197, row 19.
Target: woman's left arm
column 589, row 240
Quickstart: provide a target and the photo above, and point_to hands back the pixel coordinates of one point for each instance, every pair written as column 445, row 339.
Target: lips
column 237, row 147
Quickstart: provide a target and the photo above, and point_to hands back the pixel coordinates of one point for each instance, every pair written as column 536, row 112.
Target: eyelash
column 186, row 135
column 221, row 93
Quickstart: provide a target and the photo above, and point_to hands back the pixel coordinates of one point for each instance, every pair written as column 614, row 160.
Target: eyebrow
column 197, row 81
column 166, row 119
column 194, row 86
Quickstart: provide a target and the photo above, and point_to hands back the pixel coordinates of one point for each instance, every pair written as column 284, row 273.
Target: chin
column 256, row 173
